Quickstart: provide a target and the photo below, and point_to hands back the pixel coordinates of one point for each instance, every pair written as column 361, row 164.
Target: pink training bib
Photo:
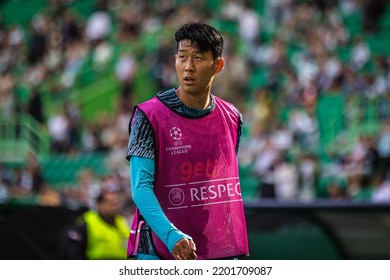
column 197, row 181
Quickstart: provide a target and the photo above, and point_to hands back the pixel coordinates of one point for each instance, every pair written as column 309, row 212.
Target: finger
column 184, row 250
column 192, row 245
column 184, row 255
column 177, row 250
column 192, row 256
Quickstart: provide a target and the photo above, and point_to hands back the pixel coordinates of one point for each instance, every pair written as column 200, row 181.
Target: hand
column 184, row 249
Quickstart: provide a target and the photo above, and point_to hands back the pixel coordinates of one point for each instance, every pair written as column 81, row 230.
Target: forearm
column 141, row 180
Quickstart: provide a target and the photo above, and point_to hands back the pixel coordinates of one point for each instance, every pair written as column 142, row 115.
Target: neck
column 200, row 102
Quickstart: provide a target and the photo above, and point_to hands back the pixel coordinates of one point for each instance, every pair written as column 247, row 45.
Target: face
column 195, row 70
column 110, row 205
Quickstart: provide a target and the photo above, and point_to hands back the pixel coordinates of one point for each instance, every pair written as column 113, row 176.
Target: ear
column 220, row 64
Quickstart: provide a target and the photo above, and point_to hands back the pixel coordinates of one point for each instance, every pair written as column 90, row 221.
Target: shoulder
column 141, row 136
column 139, row 124
column 148, row 102
column 220, row 101
column 228, row 107
column 87, row 216
column 165, row 97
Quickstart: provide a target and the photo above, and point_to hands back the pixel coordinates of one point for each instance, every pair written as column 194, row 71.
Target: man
column 183, row 161
column 100, row 234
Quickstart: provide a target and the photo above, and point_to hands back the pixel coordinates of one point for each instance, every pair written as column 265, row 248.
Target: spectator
column 373, row 11
column 381, row 188
column 59, row 126
column 286, row 179
column 297, row 53
column 39, row 39
column 98, row 27
column 125, row 71
column 99, row 234
column 35, row 106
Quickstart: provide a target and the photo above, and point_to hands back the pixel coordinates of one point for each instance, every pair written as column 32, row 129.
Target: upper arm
column 141, row 139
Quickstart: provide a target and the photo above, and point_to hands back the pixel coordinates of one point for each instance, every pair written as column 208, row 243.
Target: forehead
column 111, row 197
column 188, row 46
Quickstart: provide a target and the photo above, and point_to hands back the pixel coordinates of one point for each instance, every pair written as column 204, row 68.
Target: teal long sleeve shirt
column 141, row 181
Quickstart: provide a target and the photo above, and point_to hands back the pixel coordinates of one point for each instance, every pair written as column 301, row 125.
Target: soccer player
column 182, row 150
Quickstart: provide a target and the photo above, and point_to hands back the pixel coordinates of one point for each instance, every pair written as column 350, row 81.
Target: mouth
column 188, row 80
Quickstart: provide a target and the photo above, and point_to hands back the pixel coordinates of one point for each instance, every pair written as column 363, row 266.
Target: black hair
column 202, row 36
column 100, row 197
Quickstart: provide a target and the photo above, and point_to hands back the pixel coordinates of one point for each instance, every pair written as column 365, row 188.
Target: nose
column 189, row 65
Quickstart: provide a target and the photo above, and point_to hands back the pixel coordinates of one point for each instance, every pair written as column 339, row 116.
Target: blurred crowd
column 282, row 57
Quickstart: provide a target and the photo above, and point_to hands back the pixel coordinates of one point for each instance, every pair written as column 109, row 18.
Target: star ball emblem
column 175, row 133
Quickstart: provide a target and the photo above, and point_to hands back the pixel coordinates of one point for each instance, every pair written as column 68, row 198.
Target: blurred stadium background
column 311, row 78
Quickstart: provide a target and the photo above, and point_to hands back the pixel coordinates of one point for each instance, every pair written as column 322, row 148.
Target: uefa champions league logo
column 176, row 196
column 178, row 148
column 176, row 134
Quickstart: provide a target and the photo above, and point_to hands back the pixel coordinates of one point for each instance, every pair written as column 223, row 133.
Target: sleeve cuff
column 174, row 237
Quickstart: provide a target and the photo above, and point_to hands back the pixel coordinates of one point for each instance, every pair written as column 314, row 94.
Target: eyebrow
column 184, row 50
